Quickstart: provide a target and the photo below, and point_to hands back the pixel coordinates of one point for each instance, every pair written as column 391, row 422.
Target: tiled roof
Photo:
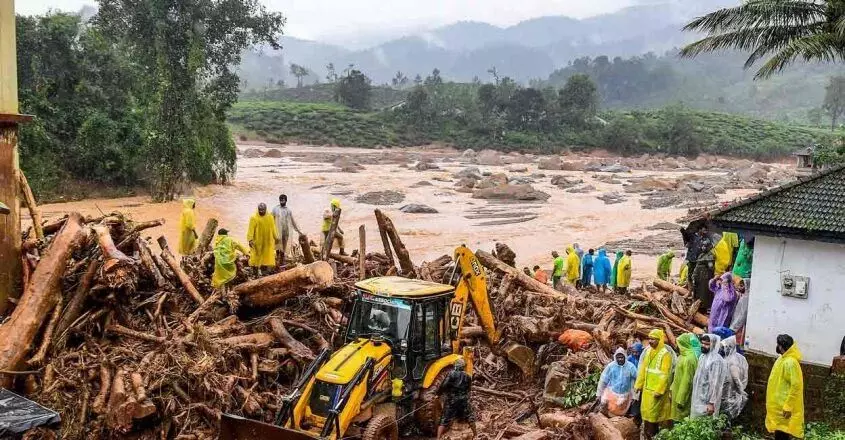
column 811, row 207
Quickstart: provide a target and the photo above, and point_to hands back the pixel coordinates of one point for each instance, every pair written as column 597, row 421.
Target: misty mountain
column 528, row 50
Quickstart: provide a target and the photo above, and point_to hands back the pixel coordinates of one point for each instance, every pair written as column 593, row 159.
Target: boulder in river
column 274, row 153
column 511, row 192
column 380, row 198
column 488, row 157
column 415, row 208
column 470, row 172
column 615, row 168
column 549, row 163
column 492, row 181
column 347, row 165
column 253, row 153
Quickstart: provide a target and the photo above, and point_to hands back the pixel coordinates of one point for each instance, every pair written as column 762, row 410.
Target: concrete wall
column 817, row 323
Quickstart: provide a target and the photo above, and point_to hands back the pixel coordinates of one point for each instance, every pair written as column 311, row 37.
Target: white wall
column 817, row 323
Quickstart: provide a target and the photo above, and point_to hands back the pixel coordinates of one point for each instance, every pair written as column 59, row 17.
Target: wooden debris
column 184, row 279
column 275, row 289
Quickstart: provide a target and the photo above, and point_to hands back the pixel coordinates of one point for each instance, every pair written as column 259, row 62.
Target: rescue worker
column 456, row 406
column 587, row 265
column 734, row 396
column 573, row 266
column 664, row 265
column 262, row 237
column 225, row 269
column 653, row 381
column 623, row 275
column 635, row 351
column 702, row 271
column 744, row 259
column 187, row 227
column 709, row 379
column 601, row 270
column 740, row 315
column 616, row 384
column 684, row 373
column 614, row 272
column 327, row 224
column 283, row 217
column 557, row 273
column 724, row 301
column 725, row 252
column 785, row 392
column 541, row 275
column 683, row 275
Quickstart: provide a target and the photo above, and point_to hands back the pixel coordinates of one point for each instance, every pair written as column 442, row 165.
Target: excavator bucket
column 521, row 356
column 238, row 428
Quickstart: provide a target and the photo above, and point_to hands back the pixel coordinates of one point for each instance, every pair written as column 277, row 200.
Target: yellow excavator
column 402, row 337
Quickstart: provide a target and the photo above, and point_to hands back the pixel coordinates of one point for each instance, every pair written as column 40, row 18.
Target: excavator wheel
column 381, row 427
column 430, row 405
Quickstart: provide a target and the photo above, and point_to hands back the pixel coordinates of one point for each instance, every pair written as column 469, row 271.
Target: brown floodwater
column 563, row 219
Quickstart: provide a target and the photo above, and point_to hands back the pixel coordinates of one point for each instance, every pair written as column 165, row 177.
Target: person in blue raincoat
column 601, row 270
column 616, row 385
column 587, row 269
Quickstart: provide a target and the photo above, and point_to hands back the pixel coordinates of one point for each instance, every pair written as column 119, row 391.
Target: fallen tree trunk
column 138, row 227
column 118, row 271
column 297, row 349
column 385, row 241
column 307, row 254
column 362, row 253
column 405, row 263
column 556, row 420
column 18, row 333
column 34, row 213
column 274, row 289
column 603, row 429
column 149, row 263
column 254, row 340
column 345, row 259
column 204, row 243
column 669, row 287
column 74, row 307
column 180, row 274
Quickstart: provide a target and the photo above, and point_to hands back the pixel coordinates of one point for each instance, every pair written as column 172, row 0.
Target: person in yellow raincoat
column 623, row 274
column 225, row 254
column 725, row 251
column 785, row 392
column 683, row 276
column 653, row 381
column 573, row 265
column 187, row 227
column 327, row 224
column 262, row 237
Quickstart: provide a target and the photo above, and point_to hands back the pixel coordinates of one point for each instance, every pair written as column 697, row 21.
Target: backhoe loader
column 402, row 337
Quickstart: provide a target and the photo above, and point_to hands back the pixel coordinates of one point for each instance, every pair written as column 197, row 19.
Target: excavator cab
column 401, row 338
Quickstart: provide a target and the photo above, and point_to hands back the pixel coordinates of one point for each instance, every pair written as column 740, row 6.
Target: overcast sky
column 333, row 20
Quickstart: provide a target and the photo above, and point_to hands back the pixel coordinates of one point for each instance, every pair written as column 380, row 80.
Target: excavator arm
column 473, row 286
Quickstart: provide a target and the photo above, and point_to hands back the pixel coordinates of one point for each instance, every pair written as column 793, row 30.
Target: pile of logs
column 120, row 336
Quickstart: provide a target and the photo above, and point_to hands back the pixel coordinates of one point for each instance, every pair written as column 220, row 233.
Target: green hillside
column 381, row 97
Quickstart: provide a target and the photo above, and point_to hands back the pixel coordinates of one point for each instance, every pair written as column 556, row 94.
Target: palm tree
column 781, row 30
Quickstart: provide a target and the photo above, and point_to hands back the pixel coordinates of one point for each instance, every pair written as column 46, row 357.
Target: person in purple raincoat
column 724, row 301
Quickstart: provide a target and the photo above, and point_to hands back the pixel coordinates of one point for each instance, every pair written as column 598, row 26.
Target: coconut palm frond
column 765, row 40
column 757, row 13
column 819, row 47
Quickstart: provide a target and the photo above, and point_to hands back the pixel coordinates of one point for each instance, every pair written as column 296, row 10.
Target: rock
column 471, row 172
column 488, row 157
column 274, row 153
column 347, row 165
column 492, row 181
column 466, row 184
column 718, row 189
column 469, row 153
column 605, row 178
column 565, row 182
column 520, row 180
column 593, row 166
column 581, row 189
column 381, row 198
column 426, row 164
column 421, row 184
column 671, row 163
column 538, row 175
column 753, row 174
column 696, row 186
column 650, row 183
column 418, row 209
column 612, row 198
column 615, row 168
column 517, row 168
column 571, row 166
column 253, row 153
column 550, row 163
column 511, row 192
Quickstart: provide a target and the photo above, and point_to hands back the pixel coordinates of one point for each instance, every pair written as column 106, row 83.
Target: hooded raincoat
column 623, row 275
column 785, row 392
column 601, row 268
column 653, row 379
column 684, row 373
column 744, row 258
column 724, row 252
column 616, row 385
column 263, row 235
column 614, row 273
column 683, row 276
column 709, row 380
column 724, row 301
column 187, row 227
column 225, row 254
column 734, row 396
column 664, row 265
column 636, row 352
column 587, row 265
column 573, row 265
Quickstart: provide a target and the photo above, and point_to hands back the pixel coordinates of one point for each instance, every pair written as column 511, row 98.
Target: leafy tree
column 814, row 115
column 487, row 100
column 299, row 72
column 681, row 136
column 780, row 30
column 399, row 80
column 434, row 79
column 331, row 75
column 185, row 53
column 526, row 110
column 578, row 100
column 418, row 80
column 353, row 90
column 418, row 106
column 834, row 99
column 494, row 73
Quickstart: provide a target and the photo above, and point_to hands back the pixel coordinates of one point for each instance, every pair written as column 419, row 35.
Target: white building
column 798, row 273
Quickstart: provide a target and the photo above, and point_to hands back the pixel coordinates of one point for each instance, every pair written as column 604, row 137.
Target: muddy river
column 532, row 229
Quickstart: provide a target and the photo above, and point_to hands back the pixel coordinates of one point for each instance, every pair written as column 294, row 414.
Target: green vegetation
column 709, row 428
column 123, row 103
column 380, row 96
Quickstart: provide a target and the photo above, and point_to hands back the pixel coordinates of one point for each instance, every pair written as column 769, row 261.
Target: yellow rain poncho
column 187, row 228
column 262, row 235
column 785, row 392
column 683, row 277
column 225, row 254
column 653, row 380
column 573, row 265
column 724, row 251
column 623, row 275
column 327, row 215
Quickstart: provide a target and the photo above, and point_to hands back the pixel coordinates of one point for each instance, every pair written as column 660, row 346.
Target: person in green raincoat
column 664, row 265
column 685, row 367
column 744, row 258
column 615, row 270
column 225, row 254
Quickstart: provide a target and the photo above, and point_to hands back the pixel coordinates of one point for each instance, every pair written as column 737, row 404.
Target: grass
column 381, row 97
